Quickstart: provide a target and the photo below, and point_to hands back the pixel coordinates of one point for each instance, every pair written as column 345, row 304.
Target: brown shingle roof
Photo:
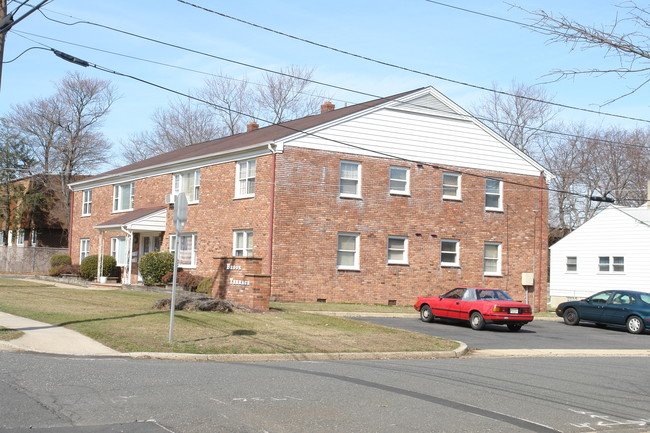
column 247, row 139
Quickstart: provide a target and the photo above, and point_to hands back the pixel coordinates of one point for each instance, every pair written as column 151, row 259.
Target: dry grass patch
column 7, row 334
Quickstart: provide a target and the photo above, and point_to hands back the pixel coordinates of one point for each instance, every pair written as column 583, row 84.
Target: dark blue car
column 611, row 307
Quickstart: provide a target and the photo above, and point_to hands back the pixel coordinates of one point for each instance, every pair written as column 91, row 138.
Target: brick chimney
column 327, row 107
column 252, row 126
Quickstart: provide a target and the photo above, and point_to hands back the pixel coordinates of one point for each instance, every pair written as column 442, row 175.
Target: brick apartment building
column 374, row 203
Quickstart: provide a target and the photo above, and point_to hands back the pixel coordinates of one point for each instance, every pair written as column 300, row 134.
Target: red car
column 477, row 305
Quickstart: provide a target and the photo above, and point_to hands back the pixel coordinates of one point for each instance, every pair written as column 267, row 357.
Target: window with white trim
column 86, row 202
column 33, row 237
column 493, row 194
column 492, row 258
column 572, row 264
column 188, row 182
column 397, row 250
column 449, row 249
column 614, row 264
column 187, row 250
column 399, row 179
column 2, row 238
column 84, row 249
column 451, row 186
column 119, row 250
column 350, row 179
column 123, row 197
column 347, row 256
column 10, row 237
column 245, row 179
column 242, row 243
column 20, row 237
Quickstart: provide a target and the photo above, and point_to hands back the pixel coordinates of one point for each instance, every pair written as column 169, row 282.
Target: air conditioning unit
column 170, row 198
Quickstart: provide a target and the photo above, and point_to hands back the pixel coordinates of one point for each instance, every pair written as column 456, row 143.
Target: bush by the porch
column 153, row 267
column 88, row 268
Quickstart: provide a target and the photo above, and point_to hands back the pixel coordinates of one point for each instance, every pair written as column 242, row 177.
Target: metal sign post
column 180, row 218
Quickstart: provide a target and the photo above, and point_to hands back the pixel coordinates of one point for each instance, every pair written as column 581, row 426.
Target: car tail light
column 497, row 309
column 511, row 310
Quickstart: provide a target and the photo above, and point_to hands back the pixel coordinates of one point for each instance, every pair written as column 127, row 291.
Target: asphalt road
column 56, row 394
column 539, row 334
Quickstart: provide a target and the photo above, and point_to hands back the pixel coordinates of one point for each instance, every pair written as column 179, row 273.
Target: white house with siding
column 610, row 251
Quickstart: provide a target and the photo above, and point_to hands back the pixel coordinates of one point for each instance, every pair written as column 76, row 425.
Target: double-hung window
column 119, row 250
column 186, row 249
column 188, row 182
column 347, row 256
column 350, row 179
column 399, row 180
column 86, row 202
column 397, row 250
column 123, row 197
column 20, row 241
column 572, row 264
column 242, row 243
column 451, row 186
column 84, row 249
column 493, row 194
column 245, row 179
column 611, row 264
column 449, row 251
column 492, row 258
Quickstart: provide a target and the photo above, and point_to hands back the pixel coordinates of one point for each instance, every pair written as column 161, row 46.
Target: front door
column 148, row 244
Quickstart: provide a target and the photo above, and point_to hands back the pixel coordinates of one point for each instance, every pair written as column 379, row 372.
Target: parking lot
column 539, row 334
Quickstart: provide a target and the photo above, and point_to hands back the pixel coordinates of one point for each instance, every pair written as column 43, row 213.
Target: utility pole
column 3, row 14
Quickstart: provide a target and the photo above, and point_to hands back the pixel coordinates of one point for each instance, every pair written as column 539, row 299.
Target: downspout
column 269, row 252
column 540, row 262
column 129, row 252
column 70, row 222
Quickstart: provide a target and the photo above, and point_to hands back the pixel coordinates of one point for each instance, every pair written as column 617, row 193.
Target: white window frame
column 10, row 237
column 190, row 252
column 178, row 184
column 86, row 202
column 118, row 206
column 404, row 250
column 571, row 261
column 355, row 181
column 245, row 247
column 84, row 248
column 393, row 181
column 119, row 250
column 497, row 260
column 33, row 237
column 347, row 252
column 245, row 178
column 489, row 194
column 456, row 187
column 455, row 252
column 610, row 266
column 20, row 237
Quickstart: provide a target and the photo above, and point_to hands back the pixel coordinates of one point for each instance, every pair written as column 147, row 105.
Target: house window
column 245, row 179
column 618, row 264
column 2, row 238
column 350, row 179
column 399, row 180
column 242, row 244
column 186, row 249
column 611, row 264
column 492, row 258
column 397, row 250
column 449, row 252
column 123, row 197
column 347, row 256
column 34, row 237
column 84, row 249
column 118, row 250
column 493, row 193
column 10, row 237
column 188, row 182
column 20, row 237
column 86, row 202
column 572, row 264
column 451, row 186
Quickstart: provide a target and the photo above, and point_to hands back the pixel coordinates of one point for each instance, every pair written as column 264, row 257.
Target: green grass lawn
column 126, row 321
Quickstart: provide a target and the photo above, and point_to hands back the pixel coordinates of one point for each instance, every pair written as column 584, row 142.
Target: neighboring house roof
column 418, row 101
column 153, row 218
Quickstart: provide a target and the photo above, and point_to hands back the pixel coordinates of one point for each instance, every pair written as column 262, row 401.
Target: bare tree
column 626, row 38
column 182, row 123
column 236, row 99
column 519, row 115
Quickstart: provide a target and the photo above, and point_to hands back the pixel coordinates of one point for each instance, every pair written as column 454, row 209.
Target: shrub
column 184, row 279
column 205, row 286
column 88, row 267
column 69, row 270
column 59, row 260
column 153, row 267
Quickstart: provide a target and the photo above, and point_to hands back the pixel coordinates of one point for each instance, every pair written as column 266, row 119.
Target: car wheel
column 514, row 326
column 425, row 314
column 476, row 321
column 571, row 317
column 634, row 325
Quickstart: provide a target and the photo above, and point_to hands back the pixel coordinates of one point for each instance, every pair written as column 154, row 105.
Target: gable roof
column 136, row 216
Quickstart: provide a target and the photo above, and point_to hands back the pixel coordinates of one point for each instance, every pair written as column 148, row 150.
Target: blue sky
column 416, row 34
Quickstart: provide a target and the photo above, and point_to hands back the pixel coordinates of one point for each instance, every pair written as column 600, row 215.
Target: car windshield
column 489, row 295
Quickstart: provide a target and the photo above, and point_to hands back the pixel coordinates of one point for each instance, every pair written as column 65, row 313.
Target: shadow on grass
column 98, row 319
